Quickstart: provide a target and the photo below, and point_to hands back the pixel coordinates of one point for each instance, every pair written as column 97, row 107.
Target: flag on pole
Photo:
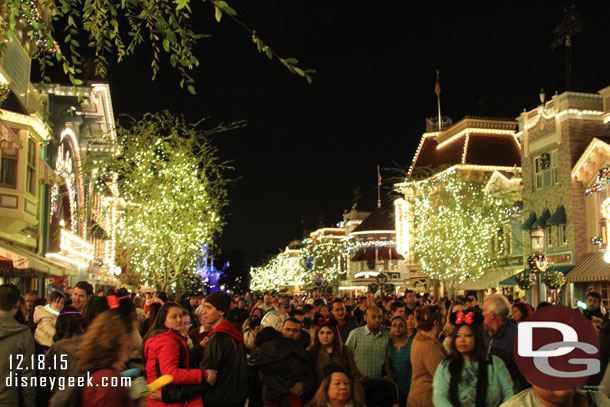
column 378, row 176
column 437, row 86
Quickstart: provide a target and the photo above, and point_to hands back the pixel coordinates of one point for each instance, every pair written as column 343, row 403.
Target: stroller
column 380, row 393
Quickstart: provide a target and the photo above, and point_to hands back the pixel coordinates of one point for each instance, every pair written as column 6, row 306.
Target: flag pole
column 437, row 90
column 378, row 187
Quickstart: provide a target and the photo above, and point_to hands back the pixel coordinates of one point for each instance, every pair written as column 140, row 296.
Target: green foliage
column 116, row 29
column 454, row 221
column 174, row 188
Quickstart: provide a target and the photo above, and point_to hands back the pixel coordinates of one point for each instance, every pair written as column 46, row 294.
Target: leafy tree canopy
column 66, row 30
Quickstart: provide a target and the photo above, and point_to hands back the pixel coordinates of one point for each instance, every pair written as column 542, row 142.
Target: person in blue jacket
column 469, row 377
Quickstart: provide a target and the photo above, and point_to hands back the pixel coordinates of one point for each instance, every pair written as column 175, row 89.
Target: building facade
column 82, row 208
column 554, row 137
column 590, row 176
column 485, row 149
column 25, row 171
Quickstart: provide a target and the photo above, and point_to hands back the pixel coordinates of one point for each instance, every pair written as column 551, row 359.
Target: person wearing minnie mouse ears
column 469, row 377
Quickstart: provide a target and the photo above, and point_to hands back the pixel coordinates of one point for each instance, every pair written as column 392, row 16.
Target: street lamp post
column 538, row 248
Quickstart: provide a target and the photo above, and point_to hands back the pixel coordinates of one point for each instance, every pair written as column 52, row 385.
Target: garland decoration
column 31, row 15
column 597, row 241
column 553, row 279
column 525, row 280
column 600, row 182
column 4, row 91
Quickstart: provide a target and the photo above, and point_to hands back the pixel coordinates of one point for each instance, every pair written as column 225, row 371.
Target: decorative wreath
column 525, row 281
column 537, row 262
column 553, row 279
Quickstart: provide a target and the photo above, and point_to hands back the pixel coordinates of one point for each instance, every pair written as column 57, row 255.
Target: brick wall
column 575, row 137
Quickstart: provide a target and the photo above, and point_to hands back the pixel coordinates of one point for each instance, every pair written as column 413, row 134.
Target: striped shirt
column 370, row 350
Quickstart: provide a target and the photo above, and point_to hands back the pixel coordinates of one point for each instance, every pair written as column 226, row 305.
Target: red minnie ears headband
column 114, row 301
column 326, row 321
column 466, row 318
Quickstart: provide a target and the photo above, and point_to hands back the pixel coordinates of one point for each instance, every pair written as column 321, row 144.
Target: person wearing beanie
column 225, row 352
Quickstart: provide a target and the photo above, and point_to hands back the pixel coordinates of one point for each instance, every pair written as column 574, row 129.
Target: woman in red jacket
column 166, row 353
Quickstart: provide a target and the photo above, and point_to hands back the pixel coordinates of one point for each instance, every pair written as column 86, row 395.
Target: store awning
column 491, row 279
column 546, row 214
column 383, row 253
column 591, row 268
column 529, row 223
column 559, row 217
column 26, row 263
column 512, row 280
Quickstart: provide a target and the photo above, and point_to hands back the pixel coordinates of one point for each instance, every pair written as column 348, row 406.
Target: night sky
column 307, row 148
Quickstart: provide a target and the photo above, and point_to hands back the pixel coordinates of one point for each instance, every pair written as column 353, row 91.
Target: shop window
column 31, row 168
column 563, row 234
column 8, row 168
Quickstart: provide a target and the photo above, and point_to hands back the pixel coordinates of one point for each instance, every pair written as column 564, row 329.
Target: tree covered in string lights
column 174, row 188
column 454, row 221
column 279, row 272
column 322, row 258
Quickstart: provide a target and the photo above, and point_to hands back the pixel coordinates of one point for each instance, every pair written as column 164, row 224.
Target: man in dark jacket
column 345, row 322
column 284, row 366
column 17, row 345
column 224, row 352
column 499, row 337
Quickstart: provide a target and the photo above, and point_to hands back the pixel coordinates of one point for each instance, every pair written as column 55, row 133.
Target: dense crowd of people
column 274, row 350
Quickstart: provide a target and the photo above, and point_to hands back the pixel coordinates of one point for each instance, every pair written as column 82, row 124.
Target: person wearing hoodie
column 224, row 352
column 46, row 317
column 15, row 339
column 166, row 353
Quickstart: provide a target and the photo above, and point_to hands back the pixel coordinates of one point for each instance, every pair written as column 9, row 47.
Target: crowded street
column 297, row 204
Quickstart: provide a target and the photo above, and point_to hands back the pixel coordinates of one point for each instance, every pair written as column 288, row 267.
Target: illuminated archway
column 68, row 166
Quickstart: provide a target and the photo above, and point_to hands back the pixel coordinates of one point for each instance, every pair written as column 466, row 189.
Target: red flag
column 378, row 176
column 437, row 87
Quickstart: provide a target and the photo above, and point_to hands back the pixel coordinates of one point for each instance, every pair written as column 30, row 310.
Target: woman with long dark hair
column 166, row 353
column 519, row 312
column 468, row 377
column 329, row 348
column 151, row 315
column 399, row 359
